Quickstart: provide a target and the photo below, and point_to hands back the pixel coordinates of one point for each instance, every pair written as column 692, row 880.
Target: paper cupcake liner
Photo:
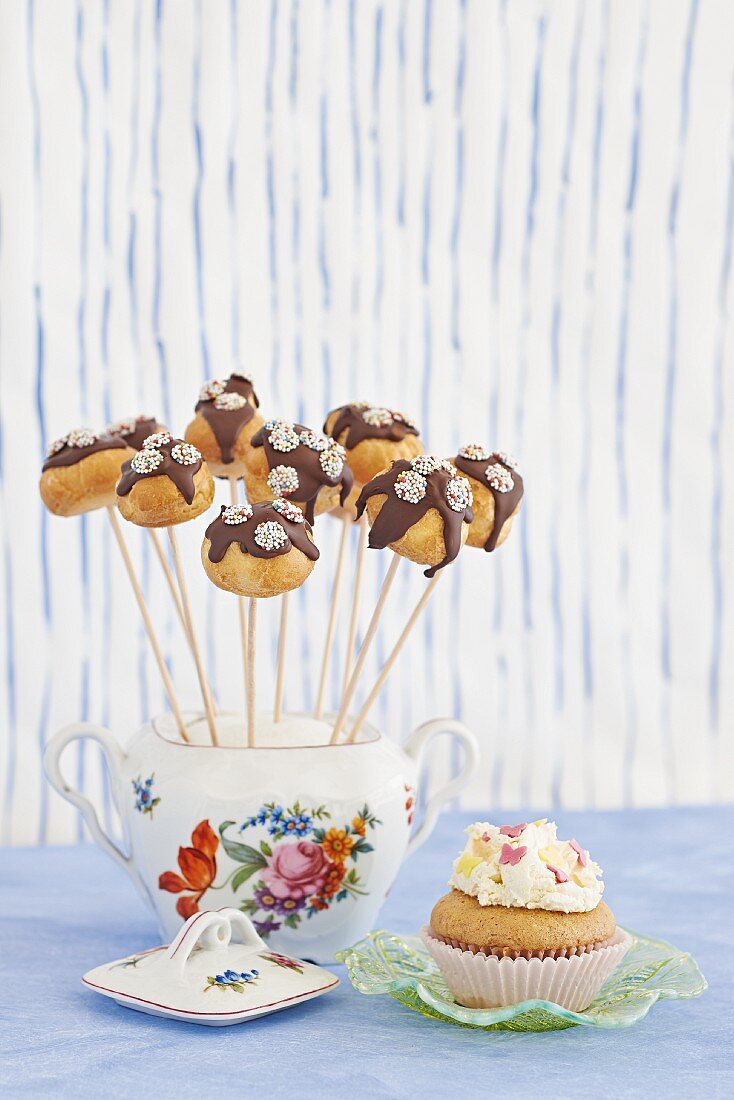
column 509, row 953
column 478, row 980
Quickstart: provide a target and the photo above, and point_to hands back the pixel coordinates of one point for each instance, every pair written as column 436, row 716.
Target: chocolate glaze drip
column 504, row 503
column 181, row 476
column 144, row 426
column 228, row 423
column 311, row 476
column 221, row 535
column 69, row 456
column 349, row 418
column 397, row 516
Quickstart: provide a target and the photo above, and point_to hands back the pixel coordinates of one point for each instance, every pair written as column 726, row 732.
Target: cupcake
column 524, row 920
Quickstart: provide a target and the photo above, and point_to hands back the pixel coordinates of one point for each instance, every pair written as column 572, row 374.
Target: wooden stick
column 362, row 655
column 356, row 592
column 168, row 573
column 251, row 620
column 385, row 670
column 241, row 602
column 280, row 677
column 203, row 685
column 170, row 579
column 330, row 626
column 147, row 622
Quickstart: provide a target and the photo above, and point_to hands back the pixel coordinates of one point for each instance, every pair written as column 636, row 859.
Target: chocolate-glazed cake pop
column 373, row 438
column 309, row 468
column 167, row 482
column 420, row 508
column 497, row 488
column 259, row 550
column 81, row 471
column 226, row 420
column 135, row 430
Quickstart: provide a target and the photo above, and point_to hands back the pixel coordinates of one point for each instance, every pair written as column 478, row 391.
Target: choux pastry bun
column 497, row 489
column 373, row 438
column 81, row 471
column 165, row 483
column 135, row 430
column 288, row 460
column 259, row 550
column 420, row 508
column 226, row 420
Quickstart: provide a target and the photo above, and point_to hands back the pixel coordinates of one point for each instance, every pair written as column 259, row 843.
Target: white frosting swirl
column 533, row 870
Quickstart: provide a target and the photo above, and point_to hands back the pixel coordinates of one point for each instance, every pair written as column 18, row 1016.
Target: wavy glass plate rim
column 385, row 963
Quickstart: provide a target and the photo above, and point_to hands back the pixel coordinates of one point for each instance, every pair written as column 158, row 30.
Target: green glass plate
column 651, row 970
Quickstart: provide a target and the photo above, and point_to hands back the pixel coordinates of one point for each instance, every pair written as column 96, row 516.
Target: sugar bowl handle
column 416, row 747
column 114, row 756
column 212, row 930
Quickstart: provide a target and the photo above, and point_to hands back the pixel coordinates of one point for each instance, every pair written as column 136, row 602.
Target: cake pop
column 226, row 420
column 259, row 550
column 420, row 508
column 134, row 430
column 80, row 475
column 497, row 489
column 165, row 483
column 81, row 471
column 288, row 460
column 373, row 438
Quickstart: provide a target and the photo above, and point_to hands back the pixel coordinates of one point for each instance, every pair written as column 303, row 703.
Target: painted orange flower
column 358, row 825
column 337, row 845
column 333, row 880
column 318, row 903
column 198, row 870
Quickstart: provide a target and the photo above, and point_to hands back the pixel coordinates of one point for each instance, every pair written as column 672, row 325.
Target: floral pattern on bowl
column 302, row 869
column 145, row 800
column 230, row 979
column 651, row 970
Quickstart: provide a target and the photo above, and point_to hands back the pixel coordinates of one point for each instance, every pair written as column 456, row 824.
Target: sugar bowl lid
column 217, row 971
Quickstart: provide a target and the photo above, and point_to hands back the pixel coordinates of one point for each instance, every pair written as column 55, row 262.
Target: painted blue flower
column 262, row 817
column 248, row 823
column 277, row 813
column 144, row 800
column 232, row 975
column 303, row 824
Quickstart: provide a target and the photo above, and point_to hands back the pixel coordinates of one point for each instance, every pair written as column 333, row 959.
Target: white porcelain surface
column 217, row 971
column 183, row 835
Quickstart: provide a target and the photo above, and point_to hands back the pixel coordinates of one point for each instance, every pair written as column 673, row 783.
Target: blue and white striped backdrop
column 513, row 219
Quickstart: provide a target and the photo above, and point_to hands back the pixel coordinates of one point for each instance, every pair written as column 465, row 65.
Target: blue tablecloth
column 65, row 910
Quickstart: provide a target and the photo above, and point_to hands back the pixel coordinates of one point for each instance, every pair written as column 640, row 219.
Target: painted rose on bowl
column 296, row 870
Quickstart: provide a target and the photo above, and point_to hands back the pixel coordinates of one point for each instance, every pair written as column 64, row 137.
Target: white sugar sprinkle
column 332, row 460
column 410, row 486
column 283, row 480
column 459, row 494
column 229, row 402
column 81, row 437
column 288, row 510
column 315, row 441
column 236, row 513
column 146, row 461
column 185, row 454
column 211, row 389
column 475, row 452
column 283, row 438
column 270, row 535
column 158, row 439
column 499, row 478
column 508, row 460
